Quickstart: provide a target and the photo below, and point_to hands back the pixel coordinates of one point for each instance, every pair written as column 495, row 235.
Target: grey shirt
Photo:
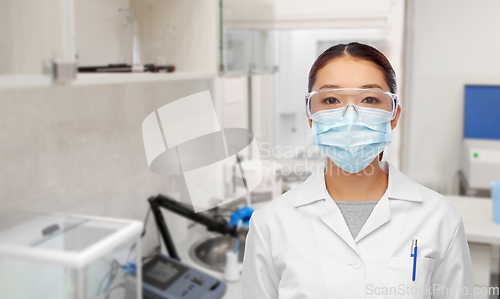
column 356, row 213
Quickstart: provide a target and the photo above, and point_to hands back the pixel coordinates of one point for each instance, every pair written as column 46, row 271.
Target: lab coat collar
column 313, row 189
column 400, row 187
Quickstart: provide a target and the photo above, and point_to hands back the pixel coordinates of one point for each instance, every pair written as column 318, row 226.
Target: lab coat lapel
column 380, row 215
column 399, row 188
column 330, row 214
column 314, row 189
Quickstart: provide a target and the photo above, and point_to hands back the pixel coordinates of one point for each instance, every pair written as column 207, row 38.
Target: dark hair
column 357, row 51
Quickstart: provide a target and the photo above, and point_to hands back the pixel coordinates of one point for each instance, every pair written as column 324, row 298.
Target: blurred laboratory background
column 79, row 77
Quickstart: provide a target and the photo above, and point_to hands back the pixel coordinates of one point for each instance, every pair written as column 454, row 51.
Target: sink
column 210, row 252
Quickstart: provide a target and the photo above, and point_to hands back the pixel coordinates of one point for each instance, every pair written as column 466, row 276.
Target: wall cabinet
column 34, row 32
column 197, row 36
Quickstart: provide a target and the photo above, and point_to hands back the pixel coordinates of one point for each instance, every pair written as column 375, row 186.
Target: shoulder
column 436, row 206
column 276, row 209
column 421, row 204
column 437, row 200
column 284, row 207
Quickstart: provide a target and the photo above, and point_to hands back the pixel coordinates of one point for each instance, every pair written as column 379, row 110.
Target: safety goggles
column 329, row 105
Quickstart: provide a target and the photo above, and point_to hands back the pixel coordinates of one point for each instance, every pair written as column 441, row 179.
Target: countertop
column 477, row 215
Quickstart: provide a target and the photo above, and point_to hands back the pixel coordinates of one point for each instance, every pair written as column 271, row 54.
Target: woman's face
column 349, row 72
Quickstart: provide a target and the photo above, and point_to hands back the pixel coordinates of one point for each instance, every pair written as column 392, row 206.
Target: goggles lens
column 331, row 103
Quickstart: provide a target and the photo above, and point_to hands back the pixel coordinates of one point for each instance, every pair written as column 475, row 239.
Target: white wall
column 450, row 43
column 79, row 149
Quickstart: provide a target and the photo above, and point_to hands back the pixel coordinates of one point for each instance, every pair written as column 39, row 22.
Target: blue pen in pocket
column 413, row 254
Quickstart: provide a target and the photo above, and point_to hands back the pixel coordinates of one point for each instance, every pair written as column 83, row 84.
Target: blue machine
column 482, row 112
column 167, row 278
column 481, row 145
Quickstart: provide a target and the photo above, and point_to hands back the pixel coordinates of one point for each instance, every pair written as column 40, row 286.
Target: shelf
column 117, row 78
column 24, row 81
column 20, row 81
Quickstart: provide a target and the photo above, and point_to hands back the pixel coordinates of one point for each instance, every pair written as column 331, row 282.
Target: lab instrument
column 60, row 256
column 171, row 287
column 219, row 225
column 242, row 215
column 232, row 268
column 167, row 278
column 481, row 143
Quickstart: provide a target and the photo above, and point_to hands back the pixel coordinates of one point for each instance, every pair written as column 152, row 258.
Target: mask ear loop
column 395, row 111
column 307, row 106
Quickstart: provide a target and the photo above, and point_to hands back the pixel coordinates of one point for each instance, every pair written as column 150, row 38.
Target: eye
column 331, row 100
column 370, row 100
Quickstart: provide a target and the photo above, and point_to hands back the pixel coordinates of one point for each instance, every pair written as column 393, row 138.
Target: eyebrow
column 364, row 86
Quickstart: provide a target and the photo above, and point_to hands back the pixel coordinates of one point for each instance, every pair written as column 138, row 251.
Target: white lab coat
column 299, row 246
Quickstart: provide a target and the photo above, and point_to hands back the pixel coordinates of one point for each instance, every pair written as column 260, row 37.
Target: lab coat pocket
column 400, row 274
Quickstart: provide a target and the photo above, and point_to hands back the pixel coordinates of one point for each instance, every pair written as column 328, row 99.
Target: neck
column 366, row 185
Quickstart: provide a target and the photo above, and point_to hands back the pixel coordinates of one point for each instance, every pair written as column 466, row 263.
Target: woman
column 357, row 228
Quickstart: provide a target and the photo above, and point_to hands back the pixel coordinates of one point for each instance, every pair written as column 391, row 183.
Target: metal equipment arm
column 162, row 201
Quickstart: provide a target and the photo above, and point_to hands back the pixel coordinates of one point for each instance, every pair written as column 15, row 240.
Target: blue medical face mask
column 350, row 143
